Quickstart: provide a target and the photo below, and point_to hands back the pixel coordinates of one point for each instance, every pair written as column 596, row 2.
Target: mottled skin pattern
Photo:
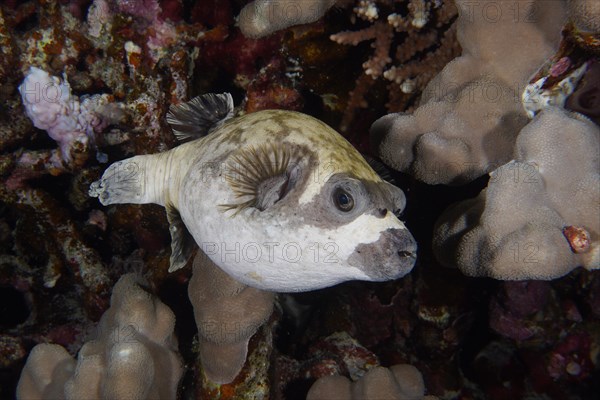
column 299, row 242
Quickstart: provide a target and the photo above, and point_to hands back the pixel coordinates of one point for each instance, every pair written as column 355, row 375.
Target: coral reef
column 340, row 355
column 456, row 136
column 59, row 250
column 43, row 194
column 66, row 249
column 469, row 337
column 470, row 114
column 132, row 355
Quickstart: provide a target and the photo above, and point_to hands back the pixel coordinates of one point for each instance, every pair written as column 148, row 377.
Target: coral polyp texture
column 132, row 355
column 585, row 15
column 470, row 113
column 227, row 314
column 399, row 382
column 539, row 217
column 263, row 17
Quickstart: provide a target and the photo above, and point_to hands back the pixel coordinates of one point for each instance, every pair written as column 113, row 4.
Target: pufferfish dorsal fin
column 182, row 242
column 199, row 116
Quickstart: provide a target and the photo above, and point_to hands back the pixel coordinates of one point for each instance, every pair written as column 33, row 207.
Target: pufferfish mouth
column 392, row 256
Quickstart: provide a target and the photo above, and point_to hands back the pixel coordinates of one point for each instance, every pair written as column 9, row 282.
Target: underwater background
column 484, row 333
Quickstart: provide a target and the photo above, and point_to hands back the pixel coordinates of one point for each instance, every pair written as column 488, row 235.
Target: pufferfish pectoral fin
column 380, row 168
column 262, row 176
column 199, row 116
column 182, row 242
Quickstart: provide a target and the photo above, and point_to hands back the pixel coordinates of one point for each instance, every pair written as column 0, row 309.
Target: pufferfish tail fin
column 199, row 116
column 133, row 180
column 144, row 179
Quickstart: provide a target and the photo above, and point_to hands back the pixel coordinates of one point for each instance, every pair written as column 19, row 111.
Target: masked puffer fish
column 277, row 199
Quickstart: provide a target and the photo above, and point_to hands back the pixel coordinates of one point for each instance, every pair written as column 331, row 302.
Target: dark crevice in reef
column 14, row 309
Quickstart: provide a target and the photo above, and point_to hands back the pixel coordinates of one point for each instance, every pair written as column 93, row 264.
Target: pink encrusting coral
column 71, row 121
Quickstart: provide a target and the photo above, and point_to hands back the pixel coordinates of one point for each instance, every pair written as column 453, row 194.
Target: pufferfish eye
column 343, row 200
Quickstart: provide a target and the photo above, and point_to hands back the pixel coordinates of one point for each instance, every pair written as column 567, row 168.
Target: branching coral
column 470, row 113
column 134, row 354
column 418, row 42
column 539, row 216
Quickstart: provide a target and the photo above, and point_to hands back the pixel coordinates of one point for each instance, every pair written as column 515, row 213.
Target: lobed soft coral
column 227, row 314
column 263, row 17
column 539, row 217
column 134, row 354
column 470, row 113
column 399, row 382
